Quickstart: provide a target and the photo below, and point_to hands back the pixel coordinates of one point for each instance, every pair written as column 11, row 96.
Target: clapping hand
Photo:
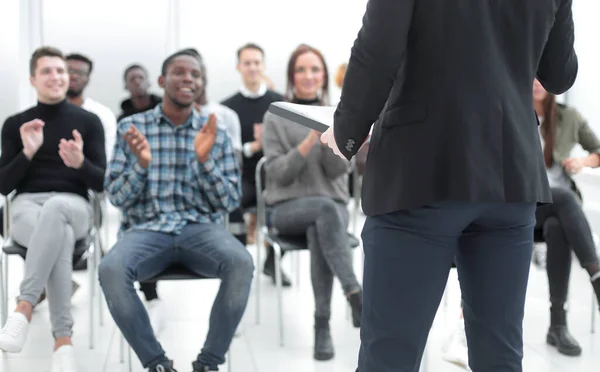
column 205, row 139
column 71, row 151
column 32, row 136
column 139, row 146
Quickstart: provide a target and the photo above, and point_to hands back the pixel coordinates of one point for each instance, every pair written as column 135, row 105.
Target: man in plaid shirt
column 174, row 175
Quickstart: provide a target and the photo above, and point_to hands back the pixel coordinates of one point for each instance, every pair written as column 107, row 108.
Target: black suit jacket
column 449, row 85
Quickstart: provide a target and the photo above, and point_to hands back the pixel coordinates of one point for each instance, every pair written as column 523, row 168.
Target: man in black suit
column 455, row 166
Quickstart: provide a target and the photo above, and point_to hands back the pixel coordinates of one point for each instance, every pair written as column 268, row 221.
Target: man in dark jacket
column 455, row 166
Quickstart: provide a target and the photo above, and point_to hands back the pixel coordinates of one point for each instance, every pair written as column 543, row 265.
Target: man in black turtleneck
column 52, row 154
column 251, row 103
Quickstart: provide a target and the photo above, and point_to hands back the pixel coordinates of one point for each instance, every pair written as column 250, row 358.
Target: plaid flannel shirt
column 176, row 188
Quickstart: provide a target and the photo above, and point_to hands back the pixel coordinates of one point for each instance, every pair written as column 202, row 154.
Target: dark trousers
column 408, row 255
column 564, row 228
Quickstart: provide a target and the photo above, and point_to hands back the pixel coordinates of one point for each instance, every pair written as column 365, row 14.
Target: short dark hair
column 133, row 67
column 45, row 51
column 82, row 58
column 190, row 52
column 250, row 46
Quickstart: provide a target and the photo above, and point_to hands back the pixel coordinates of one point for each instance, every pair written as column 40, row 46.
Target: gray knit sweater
column 291, row 175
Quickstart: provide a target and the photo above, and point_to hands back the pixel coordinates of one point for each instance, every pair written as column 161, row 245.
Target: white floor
column 257, row 348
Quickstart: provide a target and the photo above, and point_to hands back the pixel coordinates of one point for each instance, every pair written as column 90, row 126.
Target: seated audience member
column 250, row 104
column 52, row 154
column 307, row 186
column 563, row 224
column 231, row 124
column 174, row 176
column 80, row 69
column 137, row 84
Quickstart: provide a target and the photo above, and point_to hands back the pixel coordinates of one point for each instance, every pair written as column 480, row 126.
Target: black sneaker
column 164, row 368
column 198, row 367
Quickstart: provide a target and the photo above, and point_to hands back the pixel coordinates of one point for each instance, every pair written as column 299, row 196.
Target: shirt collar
column 249, row 94
column 195, row 120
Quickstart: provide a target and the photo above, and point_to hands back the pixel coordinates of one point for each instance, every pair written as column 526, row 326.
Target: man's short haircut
column 45, row 51
column 82, row 58
column 133, row 67
column 190, row 52
column 250, row 46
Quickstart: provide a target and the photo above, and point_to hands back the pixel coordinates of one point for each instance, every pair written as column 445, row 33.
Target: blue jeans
column 207, row 249
column 408, row 255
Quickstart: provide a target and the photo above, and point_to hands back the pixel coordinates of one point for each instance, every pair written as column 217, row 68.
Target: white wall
column 585, row 94
column 20, row 30
column 9, row 49
column 279, row 26
column 115, row 33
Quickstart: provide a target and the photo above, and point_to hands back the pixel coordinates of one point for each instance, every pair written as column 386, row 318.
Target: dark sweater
column 46, row 172
column 128, row 109
column 251, row 111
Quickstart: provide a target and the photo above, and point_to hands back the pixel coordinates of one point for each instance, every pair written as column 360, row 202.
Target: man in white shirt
column 80, row 68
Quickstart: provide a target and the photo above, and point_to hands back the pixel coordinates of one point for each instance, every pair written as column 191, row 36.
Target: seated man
column 174, row 175
column 52, row 154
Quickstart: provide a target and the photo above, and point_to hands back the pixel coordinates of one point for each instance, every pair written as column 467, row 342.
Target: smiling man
column 52, row 154
column 174, row 176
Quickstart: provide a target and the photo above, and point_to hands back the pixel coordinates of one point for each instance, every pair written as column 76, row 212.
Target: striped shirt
column 176, row 188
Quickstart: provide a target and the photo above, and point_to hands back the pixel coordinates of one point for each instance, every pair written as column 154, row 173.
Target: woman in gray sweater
column 307, row 185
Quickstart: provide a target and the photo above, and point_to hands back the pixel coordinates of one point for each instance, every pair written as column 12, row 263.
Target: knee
column 564, row 197
column 240, row 265
column 111, row 272
column 329, row 209
column 551, row 224
column 56, row 206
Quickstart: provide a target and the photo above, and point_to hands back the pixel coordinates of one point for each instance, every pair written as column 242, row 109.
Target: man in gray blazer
column 455, row 166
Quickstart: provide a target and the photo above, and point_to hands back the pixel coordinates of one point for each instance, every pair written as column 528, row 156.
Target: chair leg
column 5, row 281
column 278, row 284
column 97, row 258
column 121, row 348
column 297, row 270
column 90, row 267
column 594, row 309
column 260, row 243
column 129, row 361
column 229, row 367
column 3, row 294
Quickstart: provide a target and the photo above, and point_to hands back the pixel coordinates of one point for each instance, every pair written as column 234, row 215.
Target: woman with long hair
column 307, row 187
column 563, row 224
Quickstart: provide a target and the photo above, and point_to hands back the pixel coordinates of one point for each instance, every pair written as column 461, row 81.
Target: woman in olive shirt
column 563, row 224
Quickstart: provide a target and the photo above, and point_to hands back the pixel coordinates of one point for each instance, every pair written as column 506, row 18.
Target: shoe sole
column 323, row 356
column 568, row 352
column 10, row 348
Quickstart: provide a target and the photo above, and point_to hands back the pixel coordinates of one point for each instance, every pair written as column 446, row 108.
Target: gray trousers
column 325, row 224
column 49, row 224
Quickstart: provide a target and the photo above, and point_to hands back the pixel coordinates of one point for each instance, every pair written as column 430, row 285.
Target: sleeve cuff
column 139, row 170
column 247, row 149
column 207, row 166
